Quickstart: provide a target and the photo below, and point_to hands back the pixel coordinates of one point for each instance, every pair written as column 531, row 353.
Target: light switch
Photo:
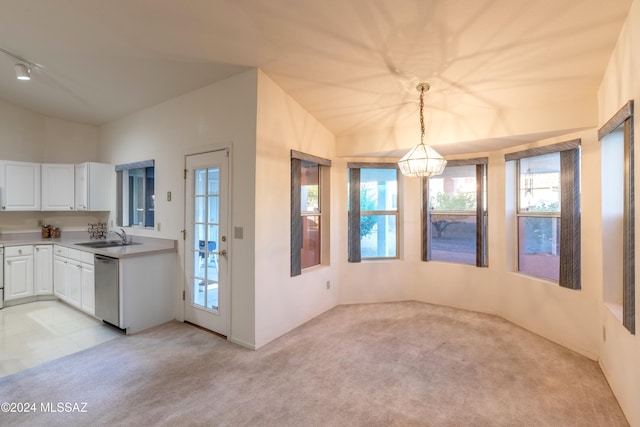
column 238, row 232
column 168, row 196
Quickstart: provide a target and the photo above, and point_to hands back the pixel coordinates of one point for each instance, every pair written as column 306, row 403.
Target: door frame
column 228, row 147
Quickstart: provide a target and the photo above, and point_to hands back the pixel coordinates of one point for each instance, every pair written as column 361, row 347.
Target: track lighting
column 23, row 72
column 23, row 67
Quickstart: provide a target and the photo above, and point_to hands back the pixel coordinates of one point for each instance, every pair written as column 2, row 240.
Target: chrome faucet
column 122, row 236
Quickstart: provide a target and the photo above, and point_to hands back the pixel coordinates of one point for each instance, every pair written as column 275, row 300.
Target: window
column 548, row 212
column 308, row 200
column 373, row 211
column 455, row 213
column 135, row 194
column 618, row 215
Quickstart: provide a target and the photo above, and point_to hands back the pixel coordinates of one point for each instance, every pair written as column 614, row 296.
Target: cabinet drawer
column 87, row 258
column 18, row 250
column 75, row 254
column 61, row 251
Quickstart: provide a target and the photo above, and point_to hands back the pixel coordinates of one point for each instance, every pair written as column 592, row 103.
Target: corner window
column 309, row 226
column 539, row 216
column 373, row 211
column 548, row 212
column 455, row 213
column 135, row 204
column 618, row 216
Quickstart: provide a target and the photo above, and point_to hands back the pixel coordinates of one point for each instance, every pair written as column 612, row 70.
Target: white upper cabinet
column 20, row 186
column 58, row 187
column 92, row 186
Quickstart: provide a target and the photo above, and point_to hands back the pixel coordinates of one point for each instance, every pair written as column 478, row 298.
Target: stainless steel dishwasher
column 107, row 289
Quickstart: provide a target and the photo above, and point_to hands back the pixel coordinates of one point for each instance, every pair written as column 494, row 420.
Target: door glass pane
column 539, row 246
column 214, row 181
column 200, row 181
column 206, row 238
column 378, row 236
column 199, row 236
column 213, row 209
column 199, row 211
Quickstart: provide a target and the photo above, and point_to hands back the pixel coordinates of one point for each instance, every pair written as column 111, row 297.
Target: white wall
column 217, row 116
column 282, row 302
column 31, row 137
column 620, row 353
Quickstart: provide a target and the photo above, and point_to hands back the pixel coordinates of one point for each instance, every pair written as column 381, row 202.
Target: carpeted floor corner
column 391, row 364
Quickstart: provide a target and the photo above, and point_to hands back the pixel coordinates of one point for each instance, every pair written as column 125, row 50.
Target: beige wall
column 620, row 353
column 31, row 137
column 283, row 302
column 217, row 116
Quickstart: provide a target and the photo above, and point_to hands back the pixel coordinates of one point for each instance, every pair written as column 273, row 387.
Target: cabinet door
column 88, row 289
column 74, row 283
column 58, row 187
column 60, row 277
column 20, row 183
column 18, row 277
column 43, row 270
column 81, row 187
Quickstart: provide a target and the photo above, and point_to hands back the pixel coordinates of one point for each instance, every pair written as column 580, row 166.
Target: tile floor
column 36, row 332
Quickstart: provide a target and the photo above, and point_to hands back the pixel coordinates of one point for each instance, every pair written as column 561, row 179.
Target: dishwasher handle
column 105, row 259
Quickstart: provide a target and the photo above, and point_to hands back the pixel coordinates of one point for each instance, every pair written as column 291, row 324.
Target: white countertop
column 147, row 246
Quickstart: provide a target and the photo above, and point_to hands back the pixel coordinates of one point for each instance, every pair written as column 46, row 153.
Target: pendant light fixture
column 422, row 160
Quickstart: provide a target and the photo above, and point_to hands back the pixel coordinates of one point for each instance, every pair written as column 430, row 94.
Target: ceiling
column 352, row 64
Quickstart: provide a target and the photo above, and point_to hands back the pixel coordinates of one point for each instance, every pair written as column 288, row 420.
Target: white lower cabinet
column 88, row 289
column 43, row 270
column 18, row 272
column 73, row 280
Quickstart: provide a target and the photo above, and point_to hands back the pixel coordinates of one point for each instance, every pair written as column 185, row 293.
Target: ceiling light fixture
column 23, row 67
column 422, row 161
column 23, row 72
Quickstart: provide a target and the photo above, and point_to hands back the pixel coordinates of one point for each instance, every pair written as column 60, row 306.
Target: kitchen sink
column 96, row 244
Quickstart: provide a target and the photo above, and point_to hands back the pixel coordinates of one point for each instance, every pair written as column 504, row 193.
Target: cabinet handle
column 20, row 251
column 71, row 207
column 37, row 249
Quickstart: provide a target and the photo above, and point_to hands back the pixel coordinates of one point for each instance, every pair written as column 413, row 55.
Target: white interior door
column 207, row 289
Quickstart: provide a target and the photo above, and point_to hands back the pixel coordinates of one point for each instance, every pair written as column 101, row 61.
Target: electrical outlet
column 604, row 333
column 40, row 223
column 328, row 284
column 158, row 226
column 238, row 232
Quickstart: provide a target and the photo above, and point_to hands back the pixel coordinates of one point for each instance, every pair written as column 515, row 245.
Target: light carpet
column 391, row 364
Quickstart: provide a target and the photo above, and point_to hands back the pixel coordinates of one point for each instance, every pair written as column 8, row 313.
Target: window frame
column 624, row 117
column 481, row 212
column 297, row 158
column 123, row 217
column 570, row 229
column 355, row 214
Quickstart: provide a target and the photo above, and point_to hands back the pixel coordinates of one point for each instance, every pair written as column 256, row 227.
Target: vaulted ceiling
column 353, row 64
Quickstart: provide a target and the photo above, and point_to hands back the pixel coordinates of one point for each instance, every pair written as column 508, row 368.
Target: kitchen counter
column 145, row 246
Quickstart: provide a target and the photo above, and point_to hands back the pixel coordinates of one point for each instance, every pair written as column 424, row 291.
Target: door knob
column 223, row 252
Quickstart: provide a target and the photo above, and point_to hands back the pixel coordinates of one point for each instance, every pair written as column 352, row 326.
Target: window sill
column 615, row 309
column 314, row 268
